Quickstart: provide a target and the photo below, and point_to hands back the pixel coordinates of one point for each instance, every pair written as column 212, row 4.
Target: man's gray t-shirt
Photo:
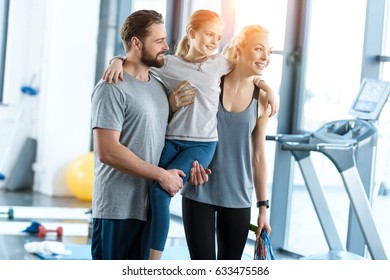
column 139, row 110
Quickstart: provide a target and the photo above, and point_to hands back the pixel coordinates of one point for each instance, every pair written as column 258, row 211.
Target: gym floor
column 307, row 239
column 12, row 245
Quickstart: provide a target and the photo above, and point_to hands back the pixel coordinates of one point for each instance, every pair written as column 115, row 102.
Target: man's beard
column 150, row 61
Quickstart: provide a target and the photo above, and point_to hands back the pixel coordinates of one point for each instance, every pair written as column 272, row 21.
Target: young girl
column 192, row 132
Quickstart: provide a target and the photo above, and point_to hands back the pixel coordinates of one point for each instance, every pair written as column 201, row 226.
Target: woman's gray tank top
column 231, row 182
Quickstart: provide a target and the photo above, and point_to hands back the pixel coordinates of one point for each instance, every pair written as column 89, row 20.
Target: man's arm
column 111, row 152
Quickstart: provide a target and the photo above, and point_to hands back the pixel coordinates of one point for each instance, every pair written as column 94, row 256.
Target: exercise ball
column 79, row 177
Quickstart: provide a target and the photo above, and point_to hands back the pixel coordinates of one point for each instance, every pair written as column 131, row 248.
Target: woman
column 223, row 204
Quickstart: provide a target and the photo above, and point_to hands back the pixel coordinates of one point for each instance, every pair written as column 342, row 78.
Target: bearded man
column 129, row 121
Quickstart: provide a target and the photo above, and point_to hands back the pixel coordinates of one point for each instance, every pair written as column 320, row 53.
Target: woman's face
column 255, row 52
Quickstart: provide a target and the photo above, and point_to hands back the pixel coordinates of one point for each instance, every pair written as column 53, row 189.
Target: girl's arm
column 259, row 164
column 270, row 98
column 114, row 70
column 181, row 97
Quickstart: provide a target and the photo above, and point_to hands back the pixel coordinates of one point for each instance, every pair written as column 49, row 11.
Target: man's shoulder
column 108, row 90
column 102, row 84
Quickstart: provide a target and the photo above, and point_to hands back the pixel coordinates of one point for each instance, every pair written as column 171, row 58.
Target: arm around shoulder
column 271, row 100
column 114, row 71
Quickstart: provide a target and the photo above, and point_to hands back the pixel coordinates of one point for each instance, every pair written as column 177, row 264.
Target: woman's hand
column 184, row 95
column 262, row 222
column 114, row 71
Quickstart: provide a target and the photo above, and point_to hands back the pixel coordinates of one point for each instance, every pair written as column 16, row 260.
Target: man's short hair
column 137, row 25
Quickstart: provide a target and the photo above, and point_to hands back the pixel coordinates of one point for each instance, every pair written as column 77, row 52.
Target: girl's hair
column 137, row 25
column 196, row 20
column 230, row 50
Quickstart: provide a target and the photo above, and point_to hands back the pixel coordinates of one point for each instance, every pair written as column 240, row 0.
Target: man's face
column 154, row 46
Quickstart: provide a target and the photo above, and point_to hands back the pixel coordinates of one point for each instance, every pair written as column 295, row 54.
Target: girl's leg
column 186, row 152
column 159, row 201
column 199, row 227
column 232, row 232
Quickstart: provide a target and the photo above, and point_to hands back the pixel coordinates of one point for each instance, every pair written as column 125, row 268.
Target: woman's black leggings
column 201, row 222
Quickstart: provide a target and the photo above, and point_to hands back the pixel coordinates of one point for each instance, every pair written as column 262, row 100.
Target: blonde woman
column 222, row 206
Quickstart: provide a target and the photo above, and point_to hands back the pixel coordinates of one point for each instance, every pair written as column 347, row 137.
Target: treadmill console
column 345, row 131
column 370, row 100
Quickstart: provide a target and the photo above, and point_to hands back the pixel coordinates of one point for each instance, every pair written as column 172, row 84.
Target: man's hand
column 114, row 71
column 171, row 181
column 198, row 175
column 184, row 95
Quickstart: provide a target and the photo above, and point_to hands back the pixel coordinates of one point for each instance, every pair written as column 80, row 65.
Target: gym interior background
column 53, row 52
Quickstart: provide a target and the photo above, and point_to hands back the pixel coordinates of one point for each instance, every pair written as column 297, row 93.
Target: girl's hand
column 114, row 71
column 271, row 100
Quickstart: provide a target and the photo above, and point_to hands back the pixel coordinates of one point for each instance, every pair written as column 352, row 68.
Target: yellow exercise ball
column 80, row 176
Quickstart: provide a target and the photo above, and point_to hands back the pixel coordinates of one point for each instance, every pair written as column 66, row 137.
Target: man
column 129, row 121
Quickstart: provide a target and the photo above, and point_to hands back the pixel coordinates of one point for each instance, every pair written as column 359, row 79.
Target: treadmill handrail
column 283, row 138
column 294, row 146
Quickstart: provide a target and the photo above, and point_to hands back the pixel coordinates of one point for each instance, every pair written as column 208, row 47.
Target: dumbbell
column 42, row 231
column 10, row 213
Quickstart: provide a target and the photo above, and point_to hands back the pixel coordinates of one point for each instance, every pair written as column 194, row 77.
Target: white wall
column 56, row 42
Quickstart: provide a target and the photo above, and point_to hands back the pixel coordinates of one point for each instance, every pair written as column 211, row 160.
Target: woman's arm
column 259, row 164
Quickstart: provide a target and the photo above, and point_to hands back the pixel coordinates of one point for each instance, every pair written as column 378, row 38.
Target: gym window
column 3, row 41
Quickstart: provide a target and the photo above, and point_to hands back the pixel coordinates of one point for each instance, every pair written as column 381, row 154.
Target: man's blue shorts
column 120, row 239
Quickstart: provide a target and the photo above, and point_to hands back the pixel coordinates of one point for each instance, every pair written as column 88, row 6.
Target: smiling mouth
column 261, row 65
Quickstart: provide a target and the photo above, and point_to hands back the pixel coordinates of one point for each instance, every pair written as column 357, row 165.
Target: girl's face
column 255, row 53
column 205, row 40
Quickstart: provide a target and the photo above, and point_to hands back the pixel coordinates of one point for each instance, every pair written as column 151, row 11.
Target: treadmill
column 351, row 146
